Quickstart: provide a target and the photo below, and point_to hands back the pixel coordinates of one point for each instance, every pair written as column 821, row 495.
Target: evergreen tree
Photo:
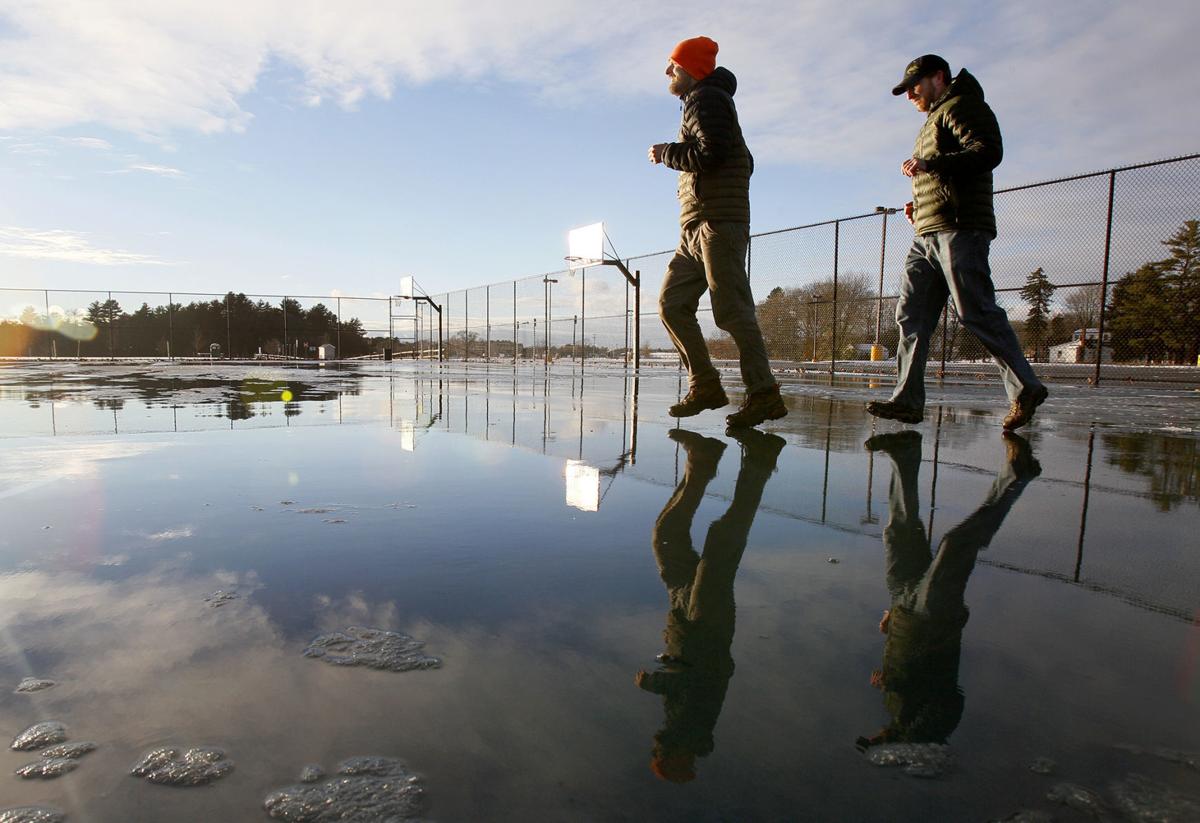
column 1037, row 292
column 1181, row 278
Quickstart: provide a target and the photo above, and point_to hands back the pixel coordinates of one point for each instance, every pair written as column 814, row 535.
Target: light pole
column 885, row 211
column 812, row 322
column 549, row 281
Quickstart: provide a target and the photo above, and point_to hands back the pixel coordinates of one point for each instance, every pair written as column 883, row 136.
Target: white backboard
column 406, row 286
column 585, row 246
column 583, row 486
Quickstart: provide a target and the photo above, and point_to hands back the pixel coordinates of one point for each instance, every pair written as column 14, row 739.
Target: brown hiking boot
column 890, row 410
column 758, row 406
column 701, row 398
column 1022, row 409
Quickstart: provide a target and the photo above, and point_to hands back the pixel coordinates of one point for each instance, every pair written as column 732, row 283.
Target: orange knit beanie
column 697, row 56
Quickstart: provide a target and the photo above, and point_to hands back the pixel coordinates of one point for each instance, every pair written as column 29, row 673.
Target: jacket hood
column 964, row 85
column 723, row 79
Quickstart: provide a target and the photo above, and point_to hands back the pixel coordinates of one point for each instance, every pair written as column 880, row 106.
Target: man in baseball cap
column 955, row 223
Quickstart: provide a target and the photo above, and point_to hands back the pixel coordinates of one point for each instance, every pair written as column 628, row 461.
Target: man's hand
column 656, row 152
column 908, row 213
column 913, row 166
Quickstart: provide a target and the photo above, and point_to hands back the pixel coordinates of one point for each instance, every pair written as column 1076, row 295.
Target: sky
column 307, row 147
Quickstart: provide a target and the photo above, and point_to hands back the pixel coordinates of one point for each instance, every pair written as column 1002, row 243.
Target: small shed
column 326, row 351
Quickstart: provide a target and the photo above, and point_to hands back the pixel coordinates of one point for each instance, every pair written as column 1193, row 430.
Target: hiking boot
column 765, row 404
column 758, row 447
column 698, row 399
column 1022, row 409
column 1019, row 454
column 891, row 410
column 894, row 443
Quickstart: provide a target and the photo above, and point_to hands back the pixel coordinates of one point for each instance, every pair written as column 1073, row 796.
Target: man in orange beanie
column 714, row 168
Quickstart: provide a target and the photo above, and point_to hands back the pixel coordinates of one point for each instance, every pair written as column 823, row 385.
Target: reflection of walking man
column 954, row 221
column 919, row 678
column 697, row 663
column 714, row 168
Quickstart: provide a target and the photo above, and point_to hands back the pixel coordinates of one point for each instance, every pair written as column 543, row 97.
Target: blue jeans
column 953, row 264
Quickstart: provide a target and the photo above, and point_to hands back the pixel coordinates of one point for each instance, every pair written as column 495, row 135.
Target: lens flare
column 286, row 395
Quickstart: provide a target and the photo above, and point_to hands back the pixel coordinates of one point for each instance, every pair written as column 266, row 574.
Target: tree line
column 238, row 326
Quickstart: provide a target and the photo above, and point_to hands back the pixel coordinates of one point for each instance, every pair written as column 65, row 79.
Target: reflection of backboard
column 408, row 436
column 583, row 485
column 406, row 286
column 585, row 246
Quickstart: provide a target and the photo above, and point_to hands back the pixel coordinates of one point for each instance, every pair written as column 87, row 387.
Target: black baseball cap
column 919, row 69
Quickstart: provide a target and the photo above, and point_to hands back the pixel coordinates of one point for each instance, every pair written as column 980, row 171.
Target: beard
column 681, row 85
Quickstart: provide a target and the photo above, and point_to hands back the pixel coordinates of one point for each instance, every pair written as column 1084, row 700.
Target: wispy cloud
column 151, row 168
column 814, row 76
column 87, row 142
column 66, row 246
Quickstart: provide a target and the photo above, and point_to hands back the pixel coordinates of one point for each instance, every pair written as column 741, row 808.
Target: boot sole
column 774, row 415
column 901, row 416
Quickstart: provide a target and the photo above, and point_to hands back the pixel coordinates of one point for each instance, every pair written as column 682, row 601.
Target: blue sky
column 311, row 148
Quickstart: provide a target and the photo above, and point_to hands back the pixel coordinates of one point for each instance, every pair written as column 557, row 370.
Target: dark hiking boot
column 1020, row 456
column 895, row 443
column 1022, row 409
column 698, row 399
column 891, row 410
column 766, row 404
column 758, row 447
column 700, row 450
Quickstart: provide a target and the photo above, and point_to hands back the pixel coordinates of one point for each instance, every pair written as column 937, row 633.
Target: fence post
column 627, row 323
column 945, row 323
column 110, row 327
column 228, row 322
column 837, row 225
column 49, row 337
column 637, row 321
column 285, row 340
column 170, row 325
column 487, row 321
column 882, row 260
column 583, row 313
column 515, row 333
column 1112, row 184
column 338, row 355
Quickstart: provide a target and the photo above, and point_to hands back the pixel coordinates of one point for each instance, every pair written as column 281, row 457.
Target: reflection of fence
column 1100, row 274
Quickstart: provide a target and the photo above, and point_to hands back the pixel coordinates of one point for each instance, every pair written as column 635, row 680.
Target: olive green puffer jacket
column 711, row 154
column 961, row 144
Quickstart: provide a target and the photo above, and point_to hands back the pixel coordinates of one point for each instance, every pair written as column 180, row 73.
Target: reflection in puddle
column 31, row 814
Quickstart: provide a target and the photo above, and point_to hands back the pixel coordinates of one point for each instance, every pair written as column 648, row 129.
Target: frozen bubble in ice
column 1027, row 816
column 31, row 814
column 311, row 773
column 832, row 560
column 315, row 510
column 47, row 769
column 374, row 648
column 195, row 767
column 364, row 788
column 1043, row 765
column 918, row 759
column 1079, row 798
column 219, row 598
column 40, row 735
column 1141, row 799
column 72, row 751
column 333, row 520
column 34, row 684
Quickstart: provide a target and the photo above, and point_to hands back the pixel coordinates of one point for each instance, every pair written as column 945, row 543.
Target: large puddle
column 541, row 599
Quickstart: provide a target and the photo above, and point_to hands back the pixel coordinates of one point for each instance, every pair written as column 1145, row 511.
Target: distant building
column 326, row 351
column 1082, row 348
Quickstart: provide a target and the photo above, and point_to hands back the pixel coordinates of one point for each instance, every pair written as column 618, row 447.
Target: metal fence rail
column 1099, row 273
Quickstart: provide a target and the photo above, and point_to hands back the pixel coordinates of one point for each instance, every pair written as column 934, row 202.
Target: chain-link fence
column 1099, row 274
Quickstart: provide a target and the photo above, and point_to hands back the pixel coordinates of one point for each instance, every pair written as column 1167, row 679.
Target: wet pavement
column 545, row 600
